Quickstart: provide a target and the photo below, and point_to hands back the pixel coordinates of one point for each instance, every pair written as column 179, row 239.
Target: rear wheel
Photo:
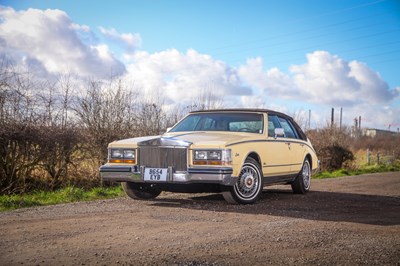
column 302, row 183
column 140, row 191
column 249, row 186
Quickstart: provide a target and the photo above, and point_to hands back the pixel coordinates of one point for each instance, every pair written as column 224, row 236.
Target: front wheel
column 140, row 191
column 302, row 183
column 249, row 186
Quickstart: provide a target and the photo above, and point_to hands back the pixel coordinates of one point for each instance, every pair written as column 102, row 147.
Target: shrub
column 335, row 157
column 332, row 146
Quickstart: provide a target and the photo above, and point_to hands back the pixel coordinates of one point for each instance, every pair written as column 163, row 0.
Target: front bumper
column 220, row 175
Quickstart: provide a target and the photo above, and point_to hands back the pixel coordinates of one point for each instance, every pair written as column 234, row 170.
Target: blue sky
column 287, row 55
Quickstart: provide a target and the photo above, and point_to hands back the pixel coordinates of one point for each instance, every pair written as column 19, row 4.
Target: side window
column 272, row 124
column 294, row 130
column 288, row 128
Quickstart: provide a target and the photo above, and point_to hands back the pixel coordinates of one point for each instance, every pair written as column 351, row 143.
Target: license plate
column 155, row 174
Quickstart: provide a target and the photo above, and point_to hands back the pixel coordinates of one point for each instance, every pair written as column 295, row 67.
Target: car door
column 295, row 144
column 277, row 162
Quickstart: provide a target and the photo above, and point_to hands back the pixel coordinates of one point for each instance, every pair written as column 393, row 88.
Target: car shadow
column 316, row 205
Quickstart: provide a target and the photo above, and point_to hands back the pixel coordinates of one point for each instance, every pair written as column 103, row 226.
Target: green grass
column 366, row 169
column 65, row 195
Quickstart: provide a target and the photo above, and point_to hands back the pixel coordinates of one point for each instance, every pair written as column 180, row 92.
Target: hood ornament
column 165, row 142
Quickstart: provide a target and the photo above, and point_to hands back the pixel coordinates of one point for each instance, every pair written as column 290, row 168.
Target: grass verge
column 366, row 169
column 65, row 195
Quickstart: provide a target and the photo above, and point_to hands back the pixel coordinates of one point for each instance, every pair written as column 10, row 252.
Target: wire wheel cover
column 248, row 182
column 306, row 173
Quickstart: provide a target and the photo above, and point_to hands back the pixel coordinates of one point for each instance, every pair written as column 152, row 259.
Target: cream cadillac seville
column 233, row 151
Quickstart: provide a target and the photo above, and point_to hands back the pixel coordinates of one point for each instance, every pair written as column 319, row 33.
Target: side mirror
column 168, row 129
column 279, row 132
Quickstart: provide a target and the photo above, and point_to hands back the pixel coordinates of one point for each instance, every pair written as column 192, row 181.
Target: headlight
column 200, row 155
column 116, row 153
column 122, row 156
column 129, row 154
column 212, row 157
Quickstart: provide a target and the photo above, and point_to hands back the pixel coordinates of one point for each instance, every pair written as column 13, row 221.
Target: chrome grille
column 163, row 157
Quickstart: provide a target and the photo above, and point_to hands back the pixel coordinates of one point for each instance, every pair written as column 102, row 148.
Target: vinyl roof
column 252, row 110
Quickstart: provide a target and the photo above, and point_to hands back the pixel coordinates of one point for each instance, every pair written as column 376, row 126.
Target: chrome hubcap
column 249, row 181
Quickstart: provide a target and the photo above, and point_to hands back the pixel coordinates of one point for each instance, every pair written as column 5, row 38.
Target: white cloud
column 324, row 79
column 128, row 40
column 84, row 28
column 270, row 81
column 328, row 79
column 51, row 38
column 183, row 76
column 373, row 87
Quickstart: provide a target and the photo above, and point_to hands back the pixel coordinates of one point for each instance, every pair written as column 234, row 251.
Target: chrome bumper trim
column 318, row 169
column 221, row 175
column 224, row 170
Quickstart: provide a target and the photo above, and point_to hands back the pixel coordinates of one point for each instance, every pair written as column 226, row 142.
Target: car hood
column 202, row 139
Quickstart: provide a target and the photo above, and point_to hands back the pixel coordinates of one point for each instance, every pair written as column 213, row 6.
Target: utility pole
column 340, row 124
column 332, row 116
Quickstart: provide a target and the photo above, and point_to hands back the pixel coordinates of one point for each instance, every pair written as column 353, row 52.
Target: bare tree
column 301, row 118
column 151, row 119
column 18, row 134
column 106, row 114
column 175, row 114
column 206, row 100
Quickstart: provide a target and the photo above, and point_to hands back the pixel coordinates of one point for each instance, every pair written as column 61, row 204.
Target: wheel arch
column 309, row 158
column 256, row 157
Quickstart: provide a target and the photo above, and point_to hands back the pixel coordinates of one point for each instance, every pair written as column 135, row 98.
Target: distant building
column 373, row 132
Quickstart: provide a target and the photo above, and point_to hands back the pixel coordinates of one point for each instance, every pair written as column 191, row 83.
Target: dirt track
column 350, row 220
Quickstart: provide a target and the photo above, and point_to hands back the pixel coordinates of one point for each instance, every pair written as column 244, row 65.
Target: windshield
column 238, row 122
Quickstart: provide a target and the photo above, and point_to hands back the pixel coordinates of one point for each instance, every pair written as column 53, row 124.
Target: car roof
column 250, row 110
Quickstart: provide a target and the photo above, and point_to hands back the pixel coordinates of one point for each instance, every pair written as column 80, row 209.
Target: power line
column 309, row 30
column 299, row 40
column 373, row 55
column 385, row 61
column 329, row 43
column 338, row 51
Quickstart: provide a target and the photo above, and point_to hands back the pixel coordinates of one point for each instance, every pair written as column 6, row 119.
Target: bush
column 334, row 157
column 332, row 146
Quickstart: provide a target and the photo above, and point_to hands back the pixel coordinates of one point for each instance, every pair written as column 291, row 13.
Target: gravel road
column 348, row 221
